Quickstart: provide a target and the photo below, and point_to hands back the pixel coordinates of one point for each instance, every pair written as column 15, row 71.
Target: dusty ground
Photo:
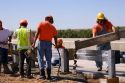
column 65, row 78
column 15, row 78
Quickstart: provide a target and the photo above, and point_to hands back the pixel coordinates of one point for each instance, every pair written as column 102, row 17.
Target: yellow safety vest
column 23, row 36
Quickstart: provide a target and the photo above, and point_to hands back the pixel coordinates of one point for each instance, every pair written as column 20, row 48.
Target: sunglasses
column 101, row 21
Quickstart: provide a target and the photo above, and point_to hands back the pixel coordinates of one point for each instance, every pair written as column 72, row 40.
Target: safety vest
column 23, row 36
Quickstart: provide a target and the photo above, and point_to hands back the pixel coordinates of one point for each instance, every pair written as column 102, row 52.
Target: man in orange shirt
column 45, row 32
column 101, row 27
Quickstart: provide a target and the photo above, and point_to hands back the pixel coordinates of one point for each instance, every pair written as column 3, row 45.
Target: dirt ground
column 69, row 77
column 15, row 79
column 62, row 78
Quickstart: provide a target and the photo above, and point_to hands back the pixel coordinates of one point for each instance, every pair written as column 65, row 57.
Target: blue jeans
column 44, row 49
column 3, row 55
column 102, row 47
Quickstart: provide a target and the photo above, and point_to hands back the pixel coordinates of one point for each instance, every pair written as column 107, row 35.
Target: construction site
column 85, row 71
column 62, row 41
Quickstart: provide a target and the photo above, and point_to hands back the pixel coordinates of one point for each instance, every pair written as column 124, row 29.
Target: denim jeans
column 44, row 49
column 3, row 55
column 4, row 60
column 102, row 47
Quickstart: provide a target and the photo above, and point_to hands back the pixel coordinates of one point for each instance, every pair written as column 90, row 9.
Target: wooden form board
column 100, row 39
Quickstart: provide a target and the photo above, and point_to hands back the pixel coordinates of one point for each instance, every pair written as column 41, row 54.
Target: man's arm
column 10, row 37
column 93, row 32
column 31, row 37
column 36, row 36
column 93, row 35
column 55, row 39
column 113, row 29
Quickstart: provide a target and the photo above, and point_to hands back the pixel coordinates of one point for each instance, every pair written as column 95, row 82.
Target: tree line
column 78, row 33
column 75, row 33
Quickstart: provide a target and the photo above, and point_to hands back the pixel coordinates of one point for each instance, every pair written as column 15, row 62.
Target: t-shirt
column 47, row 31
column 4, row 34
column 98, row 27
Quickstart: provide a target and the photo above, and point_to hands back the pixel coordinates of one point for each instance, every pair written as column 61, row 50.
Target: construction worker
column 101, row 27
column 59, row 44
column 45, row 32
column 23, row 44
column 5, row 39
column 55, row 59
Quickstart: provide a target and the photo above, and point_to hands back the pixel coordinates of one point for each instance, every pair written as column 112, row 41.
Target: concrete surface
column 90, row 66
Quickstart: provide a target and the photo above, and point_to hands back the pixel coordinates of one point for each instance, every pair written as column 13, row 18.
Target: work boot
column 48, row 74
column 30, row 77
column 107, row 69
column 6, row 69
column 99, row 68
column 22, row 76
column 42, row 74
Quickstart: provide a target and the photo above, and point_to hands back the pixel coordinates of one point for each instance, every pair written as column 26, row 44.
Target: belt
column 45, row 40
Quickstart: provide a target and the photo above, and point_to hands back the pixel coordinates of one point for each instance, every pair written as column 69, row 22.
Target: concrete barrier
column 61, row 53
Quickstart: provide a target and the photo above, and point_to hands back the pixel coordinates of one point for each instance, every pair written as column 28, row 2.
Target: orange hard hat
column 23, row 21
column 60, row 41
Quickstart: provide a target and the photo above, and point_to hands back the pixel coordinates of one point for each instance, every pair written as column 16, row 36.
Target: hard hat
column 100, row 16
column 23, row 21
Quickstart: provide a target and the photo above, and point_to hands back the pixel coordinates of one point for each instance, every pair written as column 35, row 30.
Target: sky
column 67, row 14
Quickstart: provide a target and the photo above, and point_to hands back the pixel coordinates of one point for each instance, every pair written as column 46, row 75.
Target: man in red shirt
column 45, row 32
column 101, row 27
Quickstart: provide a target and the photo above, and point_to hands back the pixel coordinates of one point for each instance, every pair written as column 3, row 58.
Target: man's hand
column 33, row 45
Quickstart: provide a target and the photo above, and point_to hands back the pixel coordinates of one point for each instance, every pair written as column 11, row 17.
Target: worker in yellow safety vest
column 23, row 44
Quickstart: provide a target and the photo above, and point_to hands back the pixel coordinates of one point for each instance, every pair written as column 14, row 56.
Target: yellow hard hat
column 101, row 16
